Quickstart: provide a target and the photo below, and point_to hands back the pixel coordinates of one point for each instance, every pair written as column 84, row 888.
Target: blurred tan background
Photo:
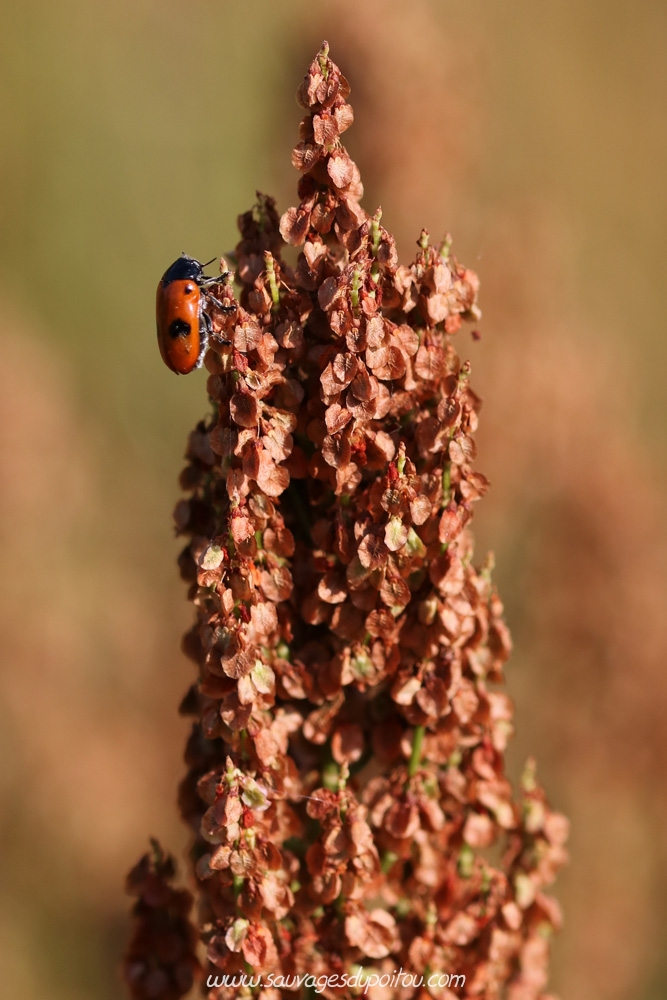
column 535, row 134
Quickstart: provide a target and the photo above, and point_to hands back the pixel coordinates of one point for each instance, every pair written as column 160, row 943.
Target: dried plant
column 346, row 785
column 560, row 440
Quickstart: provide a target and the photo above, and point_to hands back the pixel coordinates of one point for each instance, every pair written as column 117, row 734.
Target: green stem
column 354, row 290
column 323, row 59
column 388, row 860
column 416, row 755
column 375, row 231
column 271, row 275
column 446, row 247
column 446, row 483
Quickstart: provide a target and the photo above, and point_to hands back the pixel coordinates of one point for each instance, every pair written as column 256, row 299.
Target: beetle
column 183, row 325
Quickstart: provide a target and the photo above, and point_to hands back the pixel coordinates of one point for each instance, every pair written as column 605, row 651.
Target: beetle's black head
column 182, row 269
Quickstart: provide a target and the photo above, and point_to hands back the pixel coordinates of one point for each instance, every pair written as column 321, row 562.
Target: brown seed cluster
column 346, row 784
column 161, row 957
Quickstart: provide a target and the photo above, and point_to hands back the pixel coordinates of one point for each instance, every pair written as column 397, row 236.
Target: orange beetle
column 183, row 325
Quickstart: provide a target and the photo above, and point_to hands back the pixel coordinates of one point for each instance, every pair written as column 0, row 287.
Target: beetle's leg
column 210, row 332
column 219, row 305
column 205, row 331
column 219, row 279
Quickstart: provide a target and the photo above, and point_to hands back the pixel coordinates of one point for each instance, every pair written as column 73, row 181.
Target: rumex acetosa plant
column 346, row 786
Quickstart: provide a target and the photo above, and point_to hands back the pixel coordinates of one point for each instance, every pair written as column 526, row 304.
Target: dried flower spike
column 161, row 962
column 346, row 763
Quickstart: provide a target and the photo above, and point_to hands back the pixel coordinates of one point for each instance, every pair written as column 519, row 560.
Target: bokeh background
column 535, row 134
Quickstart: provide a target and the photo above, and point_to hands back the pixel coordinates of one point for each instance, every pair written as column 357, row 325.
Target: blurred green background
column 535, row 133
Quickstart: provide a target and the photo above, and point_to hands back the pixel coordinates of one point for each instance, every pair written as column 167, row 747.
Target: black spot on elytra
column 179, row 328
